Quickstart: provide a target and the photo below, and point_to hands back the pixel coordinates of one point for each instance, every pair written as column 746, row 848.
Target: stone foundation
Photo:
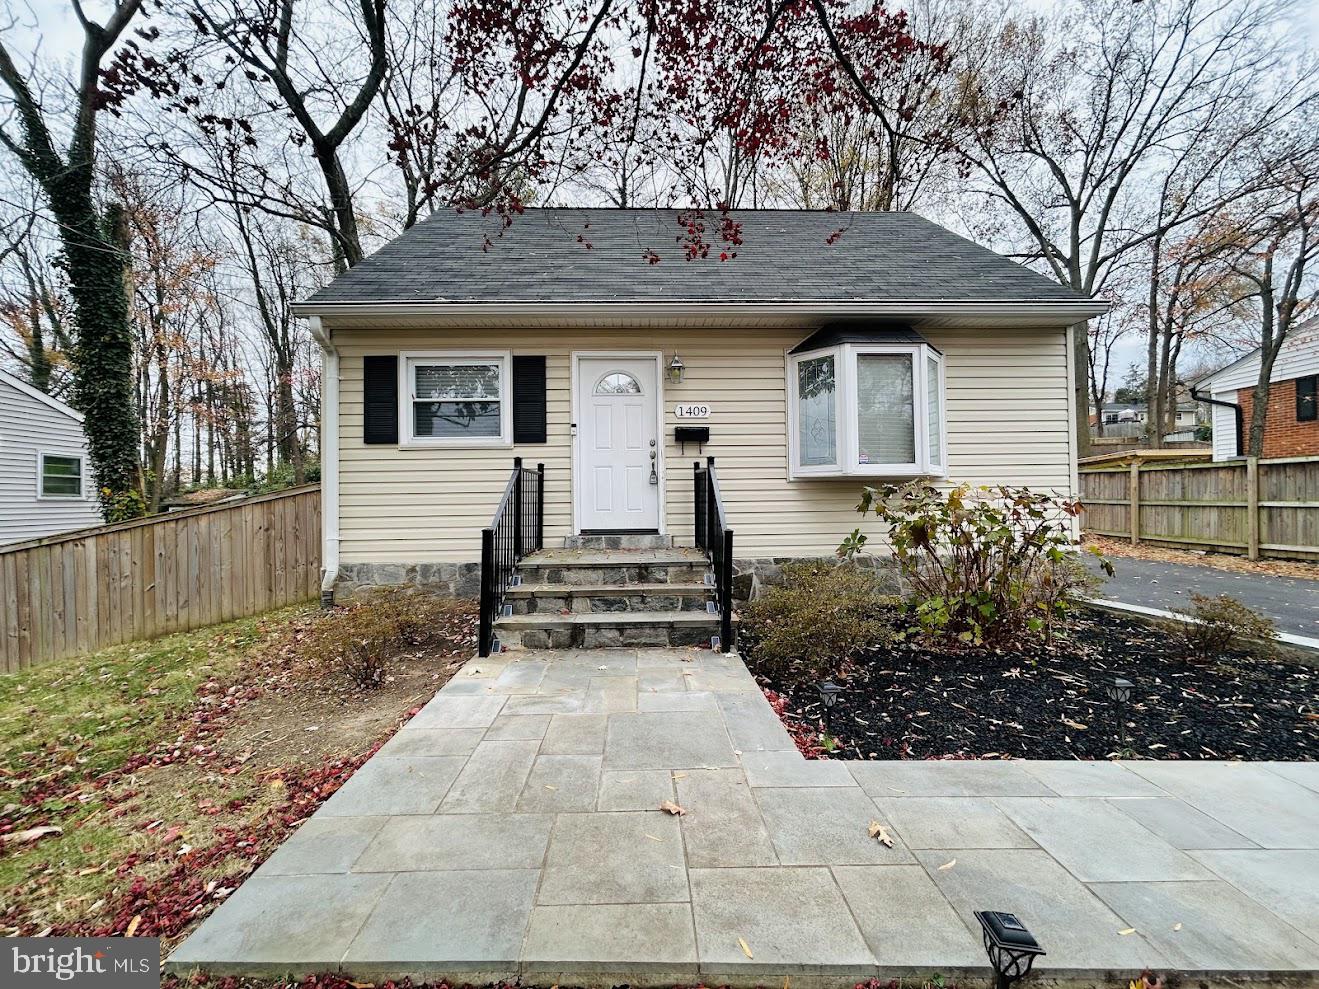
column 749, row 575
column 451, row 580
column 464, row 579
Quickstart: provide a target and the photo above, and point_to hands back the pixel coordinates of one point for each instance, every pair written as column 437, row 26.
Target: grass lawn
column 143, row 783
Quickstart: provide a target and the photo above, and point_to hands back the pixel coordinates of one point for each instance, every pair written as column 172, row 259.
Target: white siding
column 29, row 426
column 1225, row 425
column 1007, row 403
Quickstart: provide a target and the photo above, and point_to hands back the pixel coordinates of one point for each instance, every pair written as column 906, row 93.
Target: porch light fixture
column 1119, row 692
column 1010, row 946
column 829, row 692
column 676, row 370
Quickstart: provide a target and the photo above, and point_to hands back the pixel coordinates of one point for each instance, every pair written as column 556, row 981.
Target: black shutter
column 380, row 399
column 529, row 400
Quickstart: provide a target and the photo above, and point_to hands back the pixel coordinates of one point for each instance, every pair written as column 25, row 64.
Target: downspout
column 1236, row 411
column 329, row 460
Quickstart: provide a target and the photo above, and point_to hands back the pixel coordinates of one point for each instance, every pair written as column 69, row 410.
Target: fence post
column 517, row 508
column 486, row 632
column 1133, row 502
column 1252, row 508
column 540, row 506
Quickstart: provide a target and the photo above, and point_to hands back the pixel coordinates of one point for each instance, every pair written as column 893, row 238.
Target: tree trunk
column 1081, row 386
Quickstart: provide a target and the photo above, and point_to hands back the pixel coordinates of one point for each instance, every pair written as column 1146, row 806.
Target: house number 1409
column 692, row 412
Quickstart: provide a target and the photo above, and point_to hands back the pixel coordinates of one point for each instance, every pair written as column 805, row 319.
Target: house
column 834, row 350
column 1115, row 413
column 45, row 480
column 1291, row 425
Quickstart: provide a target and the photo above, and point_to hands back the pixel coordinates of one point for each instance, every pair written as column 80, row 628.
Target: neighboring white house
column 1291, row 427
column 45, row 483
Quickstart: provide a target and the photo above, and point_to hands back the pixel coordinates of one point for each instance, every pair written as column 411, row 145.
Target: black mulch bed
column 1049, row 703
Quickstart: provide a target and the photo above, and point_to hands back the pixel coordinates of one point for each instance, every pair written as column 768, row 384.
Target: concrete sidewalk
column 511, row 831
column 1291, row 602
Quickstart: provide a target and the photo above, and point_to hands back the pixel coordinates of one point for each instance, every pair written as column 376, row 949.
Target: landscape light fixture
column 676, row 369
column 1010, row 947
column 1119, row 692
column 829, row 692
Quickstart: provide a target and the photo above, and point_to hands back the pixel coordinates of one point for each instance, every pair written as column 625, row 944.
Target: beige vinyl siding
column 1007, row 413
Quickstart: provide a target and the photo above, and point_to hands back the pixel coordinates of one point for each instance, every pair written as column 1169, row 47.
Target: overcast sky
column 51, row 24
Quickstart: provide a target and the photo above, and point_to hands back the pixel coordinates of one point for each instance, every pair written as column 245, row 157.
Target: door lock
column 654, row 475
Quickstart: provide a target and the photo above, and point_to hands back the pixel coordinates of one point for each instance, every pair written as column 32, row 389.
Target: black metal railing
column 716, row 539
column 518, row 529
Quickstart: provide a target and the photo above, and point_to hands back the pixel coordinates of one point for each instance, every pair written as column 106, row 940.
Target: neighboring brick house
column 1292, row 423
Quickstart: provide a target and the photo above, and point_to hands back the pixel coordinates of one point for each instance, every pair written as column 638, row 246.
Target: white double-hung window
column 867, row 408
column 456, row 399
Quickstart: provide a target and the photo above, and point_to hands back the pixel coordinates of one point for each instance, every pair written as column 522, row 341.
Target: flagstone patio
column 512, row 830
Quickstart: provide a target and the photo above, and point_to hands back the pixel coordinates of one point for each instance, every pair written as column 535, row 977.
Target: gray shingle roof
column 785, row 256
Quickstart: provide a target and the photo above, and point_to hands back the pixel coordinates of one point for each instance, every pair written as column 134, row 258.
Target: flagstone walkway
column 512, row 830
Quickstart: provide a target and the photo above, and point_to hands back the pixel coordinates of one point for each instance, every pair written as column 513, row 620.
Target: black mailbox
column 700, row 435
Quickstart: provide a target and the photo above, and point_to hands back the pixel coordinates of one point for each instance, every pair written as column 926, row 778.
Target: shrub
column 1219, row 624
column 981, row 565
column 821, row 615
column 360, row 639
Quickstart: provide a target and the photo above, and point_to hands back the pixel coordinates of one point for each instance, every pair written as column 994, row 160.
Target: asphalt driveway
column 1292, row 603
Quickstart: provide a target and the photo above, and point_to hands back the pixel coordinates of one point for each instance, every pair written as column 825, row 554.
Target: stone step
column 619, row 540
column 607, row 630
column 555, row 599
column 611, row 567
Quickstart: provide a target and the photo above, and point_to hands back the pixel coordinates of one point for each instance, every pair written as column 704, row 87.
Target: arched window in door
column 617, row 383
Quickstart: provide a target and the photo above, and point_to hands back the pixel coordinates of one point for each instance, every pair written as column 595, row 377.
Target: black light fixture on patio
column 1119, row 692
column 829, row 692
column 1010, row 946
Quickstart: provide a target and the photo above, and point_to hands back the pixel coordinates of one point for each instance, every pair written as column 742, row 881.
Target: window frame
column 847, row 412
column 796, row 469
column 411, row 359
column 1313, row 415
column 79, row 456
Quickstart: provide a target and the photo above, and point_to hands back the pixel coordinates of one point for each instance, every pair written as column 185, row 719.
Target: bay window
column 867, row 408
column 456, row 399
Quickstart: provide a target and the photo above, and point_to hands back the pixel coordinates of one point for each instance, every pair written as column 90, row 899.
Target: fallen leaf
column 1127, row 930
column 880, row 833
column 363, row 985
column 133, row 925
column 672, row 808
column 948, row 865
column 34, row 834
column 1074, row 724
column 746, row 949
column 548, row 787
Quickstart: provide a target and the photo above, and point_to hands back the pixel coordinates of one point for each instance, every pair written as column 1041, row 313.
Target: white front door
column 618, row 443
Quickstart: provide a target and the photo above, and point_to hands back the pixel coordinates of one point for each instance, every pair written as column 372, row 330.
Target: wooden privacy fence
column 85, row 590
column 1250, row 506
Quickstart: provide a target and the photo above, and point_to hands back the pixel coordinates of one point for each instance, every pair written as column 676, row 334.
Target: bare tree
column 1277, row 247
column 1080, row 113
column 91, row 236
